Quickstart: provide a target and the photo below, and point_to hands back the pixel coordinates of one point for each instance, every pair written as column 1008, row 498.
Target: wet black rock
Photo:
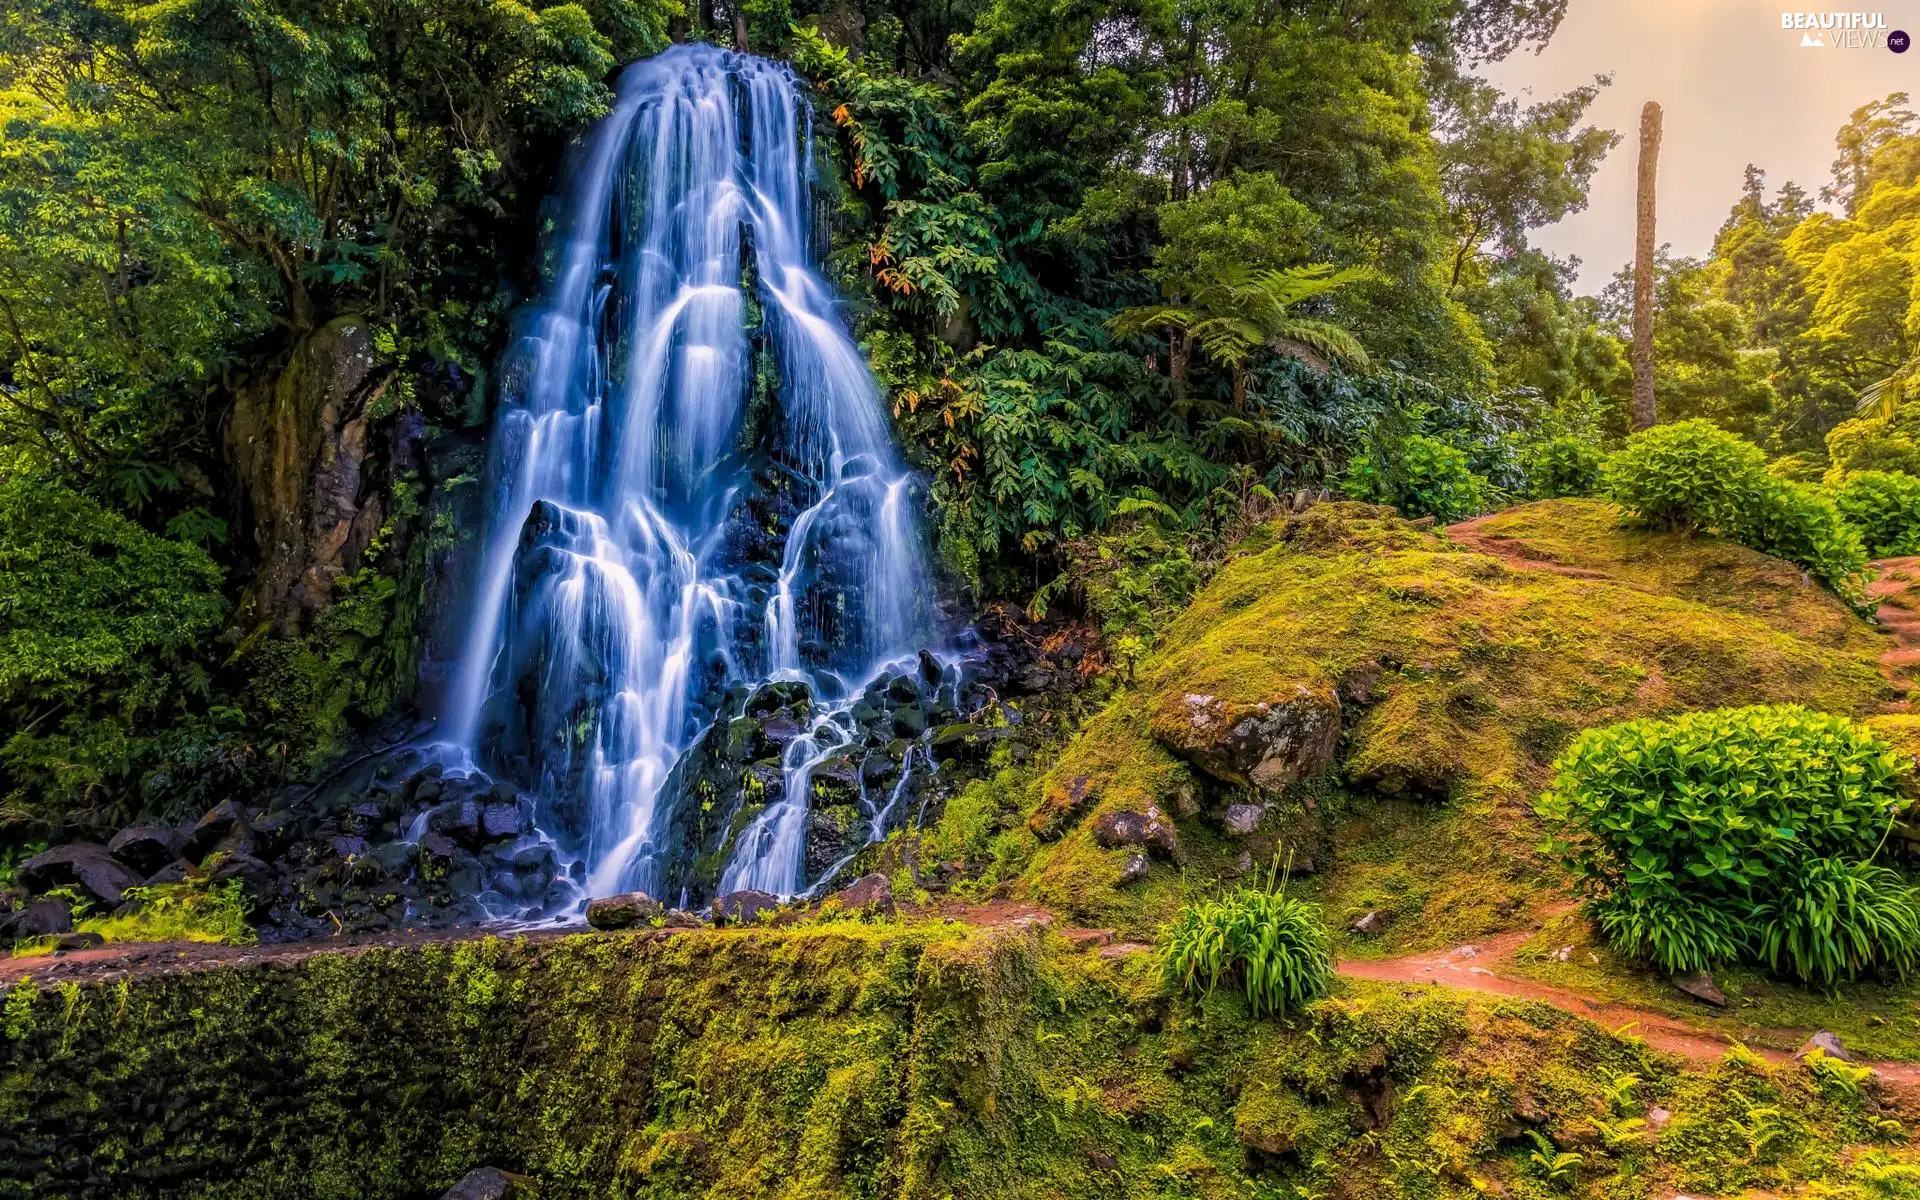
column 223, row 825
column 146, row 848
column 743, row 908
column 42, row 918
column 83, row 865
column 1149, row 830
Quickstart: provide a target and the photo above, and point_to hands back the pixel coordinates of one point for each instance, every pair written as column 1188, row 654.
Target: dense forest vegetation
column 1135, row 267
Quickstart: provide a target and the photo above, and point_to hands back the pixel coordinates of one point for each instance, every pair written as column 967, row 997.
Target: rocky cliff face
column 301, row 443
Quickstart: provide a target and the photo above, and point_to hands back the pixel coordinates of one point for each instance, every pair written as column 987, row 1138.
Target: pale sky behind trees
column 1736, row 89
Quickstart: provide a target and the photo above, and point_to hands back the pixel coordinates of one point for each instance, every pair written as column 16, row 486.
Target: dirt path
column 1896, row 586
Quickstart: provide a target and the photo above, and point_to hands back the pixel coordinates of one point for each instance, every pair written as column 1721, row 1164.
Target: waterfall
column 692, row 482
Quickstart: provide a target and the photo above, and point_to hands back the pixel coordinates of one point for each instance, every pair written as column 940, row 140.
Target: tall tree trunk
column 1644, row 413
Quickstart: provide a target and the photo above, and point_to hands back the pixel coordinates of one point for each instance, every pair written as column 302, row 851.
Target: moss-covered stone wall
column 858, row 1061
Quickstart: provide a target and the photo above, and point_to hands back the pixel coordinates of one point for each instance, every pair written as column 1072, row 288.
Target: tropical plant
column 1421, row 476
column 1233, row 312
column 1690, row 476
column 1737, row 834
column 1275, row 944
column 1885, row 508
column 1564, row 466
column 1694, row 477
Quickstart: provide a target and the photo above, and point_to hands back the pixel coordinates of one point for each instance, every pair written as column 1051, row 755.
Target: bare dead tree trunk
column 1644, row 413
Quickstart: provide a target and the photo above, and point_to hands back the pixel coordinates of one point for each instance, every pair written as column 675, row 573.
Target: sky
column 1735, row 88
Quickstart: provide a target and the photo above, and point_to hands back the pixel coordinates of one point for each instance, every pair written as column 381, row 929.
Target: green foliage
column 176, row 913
column 1693, row 476
column 1738, row 834
column 1275, row 945
column 99, row 624
column 1689, row 476
column 1421, row 476
column 1565, row 466
column 1885, row 508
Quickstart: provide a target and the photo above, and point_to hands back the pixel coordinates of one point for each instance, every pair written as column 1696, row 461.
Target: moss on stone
column 1461, row 676
column 923, row 1061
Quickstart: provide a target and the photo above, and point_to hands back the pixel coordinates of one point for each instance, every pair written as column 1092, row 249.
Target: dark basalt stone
column 83, row 865
column 146, row 848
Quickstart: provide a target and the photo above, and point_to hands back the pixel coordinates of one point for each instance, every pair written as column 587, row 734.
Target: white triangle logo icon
column 1811, row 39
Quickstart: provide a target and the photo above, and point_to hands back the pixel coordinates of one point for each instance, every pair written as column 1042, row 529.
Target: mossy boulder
column 1397, row 660
column 851, row 1060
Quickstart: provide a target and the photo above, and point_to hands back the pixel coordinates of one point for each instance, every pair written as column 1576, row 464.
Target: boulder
column 499, row 818
column 42, row 918
column 223, row 825
column 1239, row 820
column 680, row 918
column 1279, row 740
column 1134, row 871
column 1826, row 1042
column 257, row 879
column 624, row 911
column 146, row 848
column 1699, row 985
column 175, row 872
column 743, row 908
column 1371, row 922
column 869, row 893
column 491, row 1183
column 1149, row 830
column 79, row 941
column 83, row 865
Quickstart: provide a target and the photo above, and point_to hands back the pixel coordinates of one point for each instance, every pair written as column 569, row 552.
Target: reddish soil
column 1899, row 578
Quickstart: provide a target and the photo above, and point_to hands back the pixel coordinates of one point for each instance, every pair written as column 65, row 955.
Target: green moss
column 848, row 1060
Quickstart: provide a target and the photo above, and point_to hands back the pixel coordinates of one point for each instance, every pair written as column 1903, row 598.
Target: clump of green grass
column 1275, row 945
column 179, row 913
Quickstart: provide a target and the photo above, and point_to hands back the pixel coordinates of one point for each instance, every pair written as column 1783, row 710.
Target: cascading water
column 693, row 482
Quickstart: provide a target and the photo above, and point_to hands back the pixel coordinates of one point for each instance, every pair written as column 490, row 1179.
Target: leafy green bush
column 1276, row 945
column 1795, row 522
column 1737, row 834
column 1693, row 476
column 1564, row 466
column 1838, row 919
column 1885, row 507
column 1687, row 476
column 1422, row 477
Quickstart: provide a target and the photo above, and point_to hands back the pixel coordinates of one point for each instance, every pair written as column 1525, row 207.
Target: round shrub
column 1695, row 836
column 1885, row 507
column 1795, row 522
column 1275, row 946
column 1564, row 466
column 1423, row 477
column 1687, row 476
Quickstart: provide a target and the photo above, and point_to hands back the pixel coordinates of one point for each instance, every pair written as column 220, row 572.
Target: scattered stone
column 1244, row 863
column 1658, row 1118
column 83, row 865
column 1134, row 871
column 1562, row 954
column 1149, row 829
column 1468, row 951
column 1370, row 922
column 869, row 893
column 680, row 918
column 176, row 872
column 146, row 848
column 1087, row 939
column 257, row 879
column 743, row 908
column 500, row 819
column 224, row 822
column 1699, row 985
column 1825, row 1041
column 491, row 1183
column 1100, row 1160
column 1124, row 949
column 79, row 941
column 1241, row 819
column 624, row 911
column 43, row 918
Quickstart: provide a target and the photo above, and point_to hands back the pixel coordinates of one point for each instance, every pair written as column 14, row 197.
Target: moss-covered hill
column 1388, row 698
column 919, row 1062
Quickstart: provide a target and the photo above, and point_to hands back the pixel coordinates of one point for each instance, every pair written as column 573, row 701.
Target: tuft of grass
column 1275, row 944
column 179, row 913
